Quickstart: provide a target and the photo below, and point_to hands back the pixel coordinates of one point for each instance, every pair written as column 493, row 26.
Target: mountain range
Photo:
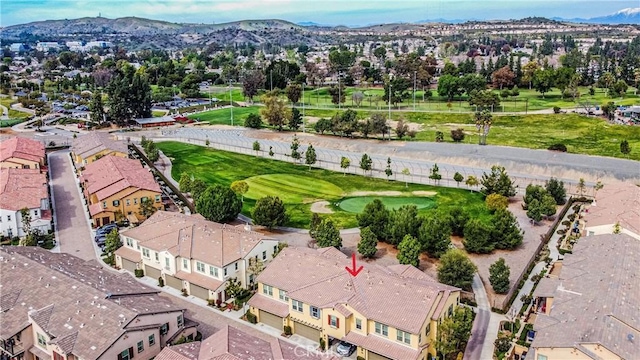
column 624, row 16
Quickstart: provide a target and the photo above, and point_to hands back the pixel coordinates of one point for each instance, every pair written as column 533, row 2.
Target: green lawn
column 299, row 187
column 10, row 122
column 223, row 116
column 357, row 204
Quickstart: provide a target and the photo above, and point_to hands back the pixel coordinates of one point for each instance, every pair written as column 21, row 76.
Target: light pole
column 303, row 129
column 339, row 91
column 414, row 90
column 231, row 102
column 271, row 78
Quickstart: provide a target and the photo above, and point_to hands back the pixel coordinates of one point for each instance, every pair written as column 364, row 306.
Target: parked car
column 106, row 229
column 101, row 241
column 345, row 349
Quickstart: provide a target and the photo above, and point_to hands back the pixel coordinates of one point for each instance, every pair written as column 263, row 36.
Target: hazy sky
column 330, row 12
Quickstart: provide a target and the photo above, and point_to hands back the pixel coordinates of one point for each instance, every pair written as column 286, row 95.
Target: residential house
column 230, row 343
column 23, row 189
column 47, row 45
column 94, row 145
column 616, row 208
column 58, row 306
column 115, row 187
column 22, row 153
column 591, row 309
column 387, row 312
column 191, row 253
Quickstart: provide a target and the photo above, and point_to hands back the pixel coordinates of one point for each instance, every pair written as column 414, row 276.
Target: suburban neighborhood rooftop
column 95, row 142
column 112, row 174
column 22, row 188
column 22, row 148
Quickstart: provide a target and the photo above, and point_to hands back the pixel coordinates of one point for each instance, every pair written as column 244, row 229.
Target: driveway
column 73, row 232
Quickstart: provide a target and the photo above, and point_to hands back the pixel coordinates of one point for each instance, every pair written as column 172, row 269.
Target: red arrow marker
column 354, row 272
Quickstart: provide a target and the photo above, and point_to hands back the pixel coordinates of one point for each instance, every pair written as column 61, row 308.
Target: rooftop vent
column 630, row 337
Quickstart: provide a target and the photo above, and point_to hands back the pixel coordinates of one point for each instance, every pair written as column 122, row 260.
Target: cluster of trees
column 194, row 186
column 150, row 148
column 129, row 94
column 542, row 201
column 454, row 332
column 324, row 232
column 347, row 123
column 218, row 203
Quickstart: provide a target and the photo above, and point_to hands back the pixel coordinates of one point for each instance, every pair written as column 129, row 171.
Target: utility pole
column 231, row 102
column 389, row 100
column 414, row 90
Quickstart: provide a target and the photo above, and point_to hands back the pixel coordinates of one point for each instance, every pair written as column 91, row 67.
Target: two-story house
column 22, row 153
column 116, row 187
column 95, row 145
column 387, row 312
column 191, row 253
column 23, row 189
column 58, row 306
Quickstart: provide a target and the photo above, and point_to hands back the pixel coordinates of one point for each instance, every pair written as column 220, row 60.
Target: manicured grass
column 10, row 122
column 158, row 113
column 357, row 204
column 298, row 186
column 223, row 116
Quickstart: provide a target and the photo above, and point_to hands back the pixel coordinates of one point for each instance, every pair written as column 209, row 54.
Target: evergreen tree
column 269, row 211
column 499, row 276
column 556, row 189
column 457, row 220
column 314, row 225
column 498, row 182
column 219, row 204
column 456, row 269
column 409, row 251
column 506, row 232
column 296, row 119
column 375, row 216
column 97, row 109
column 388, row 170
column 310, row 156
column 435, row 235
column 185, row 182
column 365, row 163
column 367, row 244
column 477, row 237
column 435, row 173
column 403, row 221
column 328, row 235
column 295, row 145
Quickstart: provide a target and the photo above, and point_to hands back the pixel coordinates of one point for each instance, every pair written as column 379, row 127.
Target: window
column 236, row 266
column 42, row 341
column 180, row 320
column 126, row 354
column 116, row 202
column 450, row 312
column 315, row 312
column 225, row 271
column 157, row 256
column 382, row 329
column 104, row 204
column 283, row 296
column 164, row 329
column 140, row 346
column 135, row 201
column 359, row 324
column 403, row 336
column 8, row 217
column 213, row 271
column 264, row 255
column 200, row 267
column 267, row 290
column 297, row 305
column 152, row 339
column 185, row 264
column 145, row 252
column 167, row 263
column 138, row 246
column 128, row 202
column 334, row 322
column 129, row 242
column 157, row 198
column 426, row 331
column 35, row 212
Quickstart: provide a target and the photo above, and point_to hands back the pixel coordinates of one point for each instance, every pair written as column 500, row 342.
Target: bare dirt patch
column 321, row 207
column 424, row 193
column 376, row 193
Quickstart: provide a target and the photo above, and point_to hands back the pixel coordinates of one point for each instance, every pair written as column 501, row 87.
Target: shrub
column 502, row 345
column 161, row 282
column 439, row 136
column 558, row 147
column 184, row 292
column 253, row 121
column 556, row 110
column 287, row 330
column 457, row 135
column 139, row 273
column 323, row 344
column 251, row 317
column 566, row 223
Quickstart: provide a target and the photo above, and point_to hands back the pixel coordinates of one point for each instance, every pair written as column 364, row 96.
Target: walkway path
column 5, row 113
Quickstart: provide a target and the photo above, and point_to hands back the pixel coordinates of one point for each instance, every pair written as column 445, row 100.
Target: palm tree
column 483, row 124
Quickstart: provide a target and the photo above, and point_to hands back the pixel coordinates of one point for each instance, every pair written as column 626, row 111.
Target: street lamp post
column 339, row 92
column 231, row 102
column 414, row 90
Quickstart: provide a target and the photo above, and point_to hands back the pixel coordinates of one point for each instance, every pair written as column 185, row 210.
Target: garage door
column 151, row 272
column 199, row 291
column 306, row 331
column 374, row 356
column 174, row 282
column 271, row 320
column 129, row 265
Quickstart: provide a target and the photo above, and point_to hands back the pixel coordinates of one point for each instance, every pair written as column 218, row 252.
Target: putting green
column 357, row 204
column 292, row 189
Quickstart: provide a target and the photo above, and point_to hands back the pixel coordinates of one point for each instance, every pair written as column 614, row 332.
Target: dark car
column 106, row 229
column 101, row 240
column 345, row 349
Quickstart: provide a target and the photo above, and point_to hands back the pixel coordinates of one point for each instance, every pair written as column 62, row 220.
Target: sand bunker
column 321, row 207
column 424, row 193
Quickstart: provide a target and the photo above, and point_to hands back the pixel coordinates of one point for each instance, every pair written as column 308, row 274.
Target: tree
column 280, row 72
column 314, row 225
column 255, row 267
column 406, row 173
column 337, row 93
column 457, row 135
column 233, row 288
column 543, row 80
column 472, row 83
column 396, row 90
column 357, row 98
column 498, row 182
column 25, row 218
column 435, row 173
column 379, row 124
column 388, row 170
column 310, row 156
column 581, row 187
column 185, row 182
column 505, row 233
column 275, row 110
column 457, row 177
column 269, row 211
column 253, row 121
column 483, row 120
column 328, row 235
column 456, row 269
column 129, row 96
column 477, row 237
column 499, row 276
column 528, row 71
column 449, row 86
column 153, row 154
column 240, row 187
column 402, row 221
column 295, row 145
column 375, row 216
column 365, row 163
column 322, row 125
column 219, row 204
column 271, row 153
column 409, row 251
column 97, row 108
column 457, row 220
column 401, row 129
column 454, row 332
column 548, row 205
column 256, row 146
column 198, row 186
column 502, row 78
column 619, row 88
column 344, row 164
column 625, row 148
column 111, row 244
column 556, row 189
column 472, row 181
column 146, row 208
column 296, row 119
column 496, row 202
column 484, row 99
column 251, row 83
column 293, row 92
column 533, row 192
column 534, row 211
column 435, row 234
column 367, row 244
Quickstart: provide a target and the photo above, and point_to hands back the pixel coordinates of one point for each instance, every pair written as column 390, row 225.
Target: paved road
column 480, row 324
column 74, row 234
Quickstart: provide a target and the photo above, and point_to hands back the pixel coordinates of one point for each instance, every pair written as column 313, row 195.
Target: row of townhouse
column 114, row 186
column 58, row 306
column 191, row 253
column 23, row 185
column 387, row 312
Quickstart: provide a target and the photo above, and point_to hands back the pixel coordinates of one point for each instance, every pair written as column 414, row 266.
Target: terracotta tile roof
column 269, row 305
column 22, row 148
column 200, row 280
column 382, row 346
column 546, row 287
column 96, row 208
column 111, row 174
column 129, row 254
column 188, row 351
column 343, row 310
column 320, row 279
column 597, row 299
column 22, row 188
column 192, row 237
column 616, row 202
column 95, row 142
column 39, row 353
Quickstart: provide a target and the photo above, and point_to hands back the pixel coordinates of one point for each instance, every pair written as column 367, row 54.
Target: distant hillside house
column 115, row 187
column 23, row 189
column 189, row 252
column 46, row 46
column 22, row 153
column 96, row 144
